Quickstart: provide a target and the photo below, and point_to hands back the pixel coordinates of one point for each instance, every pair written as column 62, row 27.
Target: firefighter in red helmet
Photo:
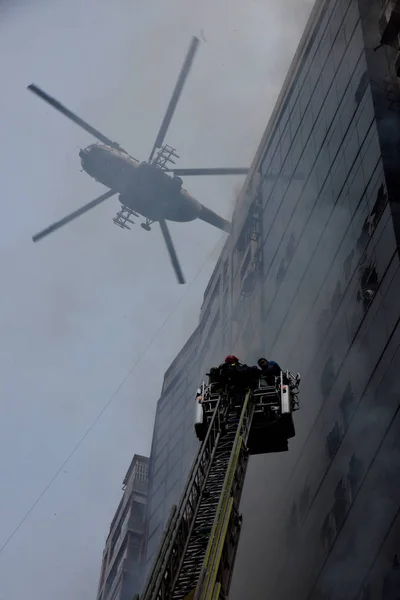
column 231, row 360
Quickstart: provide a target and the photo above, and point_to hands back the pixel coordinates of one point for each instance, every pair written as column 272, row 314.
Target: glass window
column 287, row 168
column 325, row 46
column 331, row 107
column 385, row 247
column 339, row 47
column 158, row 461
column 351, row 146
column 361, row 87
column 350, row 20
column 338, row 176
column 343, row 76
column 162, row 425
column 175, row 453
column 356, row 185
column 355, row 49
column 294, row 120
column 334, row 139
column 333, row 440
column 347, row 109
column 317, row 99
column 174, row 475
column 371, row 155
column 283, row 120
column 365, row 117
column 322, row 167
column 293, row 97
column 327, row 378
column 173, row 495
column 315, row 71
column 265, row 165
column 296, row 150
column 267, row 186
column 159, row 476
column 307, row 125
column 285, row 142
column 276, row 163
column 319, row 132
column 335, row 21
column 157, row 497
column 154, row 540
column 309, row 196
column 161, row 444
column 304, row 97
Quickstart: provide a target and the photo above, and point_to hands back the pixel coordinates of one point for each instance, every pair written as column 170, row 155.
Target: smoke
column 374, row 500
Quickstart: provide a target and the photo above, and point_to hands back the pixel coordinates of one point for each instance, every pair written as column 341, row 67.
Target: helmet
column 231, row 359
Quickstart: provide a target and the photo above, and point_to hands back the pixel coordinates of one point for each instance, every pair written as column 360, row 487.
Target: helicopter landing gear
column 146, row 226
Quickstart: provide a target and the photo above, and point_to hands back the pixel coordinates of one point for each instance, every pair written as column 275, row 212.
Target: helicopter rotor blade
column 175, row 95
column 73, row 215
column 171, row 251
column 217, row 171
column 72, row 116
column 231, row 171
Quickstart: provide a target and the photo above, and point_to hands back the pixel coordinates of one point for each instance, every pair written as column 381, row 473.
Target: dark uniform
column 234, row 374
column 269, row 369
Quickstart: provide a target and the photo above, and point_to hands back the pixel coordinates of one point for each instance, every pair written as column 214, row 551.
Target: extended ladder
column 198, row 550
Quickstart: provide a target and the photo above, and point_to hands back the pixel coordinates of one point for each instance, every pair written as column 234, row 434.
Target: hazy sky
column 80, row 308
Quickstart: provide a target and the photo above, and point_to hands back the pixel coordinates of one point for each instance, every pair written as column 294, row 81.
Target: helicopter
column 152, row 189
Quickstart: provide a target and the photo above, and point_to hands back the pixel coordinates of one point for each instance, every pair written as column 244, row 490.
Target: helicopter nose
column 82, row 154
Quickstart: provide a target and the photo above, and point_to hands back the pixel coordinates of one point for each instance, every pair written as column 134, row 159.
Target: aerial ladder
column 197, row 553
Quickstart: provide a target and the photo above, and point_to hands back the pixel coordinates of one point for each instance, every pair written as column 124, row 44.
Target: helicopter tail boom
column 212, row 218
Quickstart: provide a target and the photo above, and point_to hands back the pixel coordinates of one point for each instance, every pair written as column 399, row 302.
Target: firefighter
column 269, row 369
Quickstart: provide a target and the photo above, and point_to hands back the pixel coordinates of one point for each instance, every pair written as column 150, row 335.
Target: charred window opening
column 369, row 284
column 372, row 219
column 251, row 229
column 327, row 377
column 289, row 253
column 379, row 206
column 365, row 234
column 333, row 440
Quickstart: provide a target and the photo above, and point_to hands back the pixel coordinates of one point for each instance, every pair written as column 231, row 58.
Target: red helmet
column 231, row 359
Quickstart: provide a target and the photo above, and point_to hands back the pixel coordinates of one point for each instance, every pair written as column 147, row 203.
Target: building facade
column 310, row 277
column 122, row 570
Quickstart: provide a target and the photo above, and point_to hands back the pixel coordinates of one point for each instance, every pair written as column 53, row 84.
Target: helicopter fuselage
column 143, row 187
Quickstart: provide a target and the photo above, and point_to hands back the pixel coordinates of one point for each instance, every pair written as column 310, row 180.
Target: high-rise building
column 310, row 277
column 121, row 570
